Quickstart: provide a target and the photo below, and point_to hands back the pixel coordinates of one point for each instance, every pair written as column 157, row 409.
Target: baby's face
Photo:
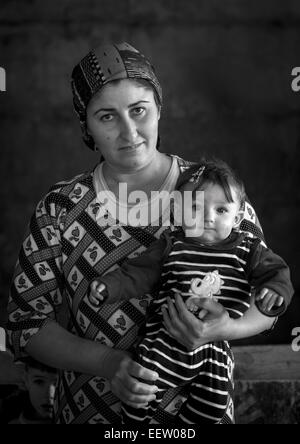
column 214, row 216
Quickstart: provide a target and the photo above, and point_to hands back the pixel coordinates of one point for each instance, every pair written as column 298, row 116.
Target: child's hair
column 32, row 363
column 215, row 171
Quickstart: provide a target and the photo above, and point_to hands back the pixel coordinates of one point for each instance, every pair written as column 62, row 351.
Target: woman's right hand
column 213, row 324
column 126, row 381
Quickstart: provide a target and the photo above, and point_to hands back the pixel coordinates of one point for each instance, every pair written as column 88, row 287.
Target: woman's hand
column 192, row 332
column 126, row 381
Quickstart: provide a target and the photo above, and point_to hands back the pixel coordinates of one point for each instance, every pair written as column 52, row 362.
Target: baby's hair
column 33, row 363
column 217, row 172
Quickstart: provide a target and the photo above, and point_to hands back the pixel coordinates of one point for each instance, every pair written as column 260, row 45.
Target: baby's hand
column 95, row 296
column 268, row 299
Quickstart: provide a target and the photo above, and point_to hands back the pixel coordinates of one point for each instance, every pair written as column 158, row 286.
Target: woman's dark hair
column 215, row 171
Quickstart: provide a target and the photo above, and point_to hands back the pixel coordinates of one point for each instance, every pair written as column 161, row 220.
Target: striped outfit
column 71, row 240
column 232, row 266
column 208, row 369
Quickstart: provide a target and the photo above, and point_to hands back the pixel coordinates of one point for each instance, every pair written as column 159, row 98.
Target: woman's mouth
column 131, row 147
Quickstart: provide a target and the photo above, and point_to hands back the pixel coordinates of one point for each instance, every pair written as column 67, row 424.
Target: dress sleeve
column 37, row 286
column 250, row 223
column 136, row 276
column 268, row 270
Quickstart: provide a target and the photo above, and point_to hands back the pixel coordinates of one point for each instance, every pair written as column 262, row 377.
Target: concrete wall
column 225, row 67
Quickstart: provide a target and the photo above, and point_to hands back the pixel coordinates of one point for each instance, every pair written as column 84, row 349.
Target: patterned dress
column 71, row 240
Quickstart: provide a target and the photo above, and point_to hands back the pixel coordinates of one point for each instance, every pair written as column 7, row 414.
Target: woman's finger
column 214, row 308
column 167, row 322
column 138, row 371
column 178, row 327
column 129, row 397
column 192, row 324
column 189, row 335
column 131, row 390
column 184, row 314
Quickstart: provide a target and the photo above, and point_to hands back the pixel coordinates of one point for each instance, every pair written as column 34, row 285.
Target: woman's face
column 123, row 121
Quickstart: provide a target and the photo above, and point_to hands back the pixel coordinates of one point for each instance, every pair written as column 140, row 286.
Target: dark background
column 225, row 67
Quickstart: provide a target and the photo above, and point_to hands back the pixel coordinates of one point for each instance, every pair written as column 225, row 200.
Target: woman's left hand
column 192, row 332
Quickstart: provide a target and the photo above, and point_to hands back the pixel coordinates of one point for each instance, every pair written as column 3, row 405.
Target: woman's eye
column 222, row 210
column 138, row 111
column 106, row 117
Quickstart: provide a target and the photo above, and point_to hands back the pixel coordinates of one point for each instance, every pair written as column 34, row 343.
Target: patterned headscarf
column 103, row 65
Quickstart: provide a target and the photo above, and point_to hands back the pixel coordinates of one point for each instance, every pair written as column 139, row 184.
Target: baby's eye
column 222, row 210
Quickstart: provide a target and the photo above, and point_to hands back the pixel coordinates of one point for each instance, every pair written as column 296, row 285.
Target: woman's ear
column 238, row 219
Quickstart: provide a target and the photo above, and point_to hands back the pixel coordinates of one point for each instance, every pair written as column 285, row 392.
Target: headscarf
column 103, row 65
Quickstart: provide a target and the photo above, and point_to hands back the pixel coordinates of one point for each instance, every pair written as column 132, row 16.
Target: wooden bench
column 267, row 363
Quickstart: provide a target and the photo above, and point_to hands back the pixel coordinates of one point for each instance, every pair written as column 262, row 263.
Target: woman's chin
column 137, row 160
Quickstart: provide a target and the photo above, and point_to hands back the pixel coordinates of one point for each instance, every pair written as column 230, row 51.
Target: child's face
column 218, row 216
column 41, row 388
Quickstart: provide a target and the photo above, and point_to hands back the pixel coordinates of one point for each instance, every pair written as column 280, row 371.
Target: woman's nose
column 128, row 130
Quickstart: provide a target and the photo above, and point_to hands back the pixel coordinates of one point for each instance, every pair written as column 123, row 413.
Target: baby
column 207, row 257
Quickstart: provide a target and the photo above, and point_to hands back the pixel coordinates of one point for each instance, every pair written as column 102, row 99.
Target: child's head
column 224, row 196
column 40, row 381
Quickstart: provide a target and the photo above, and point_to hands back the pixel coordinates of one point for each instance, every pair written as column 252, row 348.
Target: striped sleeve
column 36, row 289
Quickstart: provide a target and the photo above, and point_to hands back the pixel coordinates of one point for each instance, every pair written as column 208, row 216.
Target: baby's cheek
column 226, row 227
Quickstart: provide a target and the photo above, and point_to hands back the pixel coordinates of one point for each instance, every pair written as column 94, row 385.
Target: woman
column 74, row 237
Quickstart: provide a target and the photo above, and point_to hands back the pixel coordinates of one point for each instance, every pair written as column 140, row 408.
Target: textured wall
column 225, row 67
column 267, row 402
